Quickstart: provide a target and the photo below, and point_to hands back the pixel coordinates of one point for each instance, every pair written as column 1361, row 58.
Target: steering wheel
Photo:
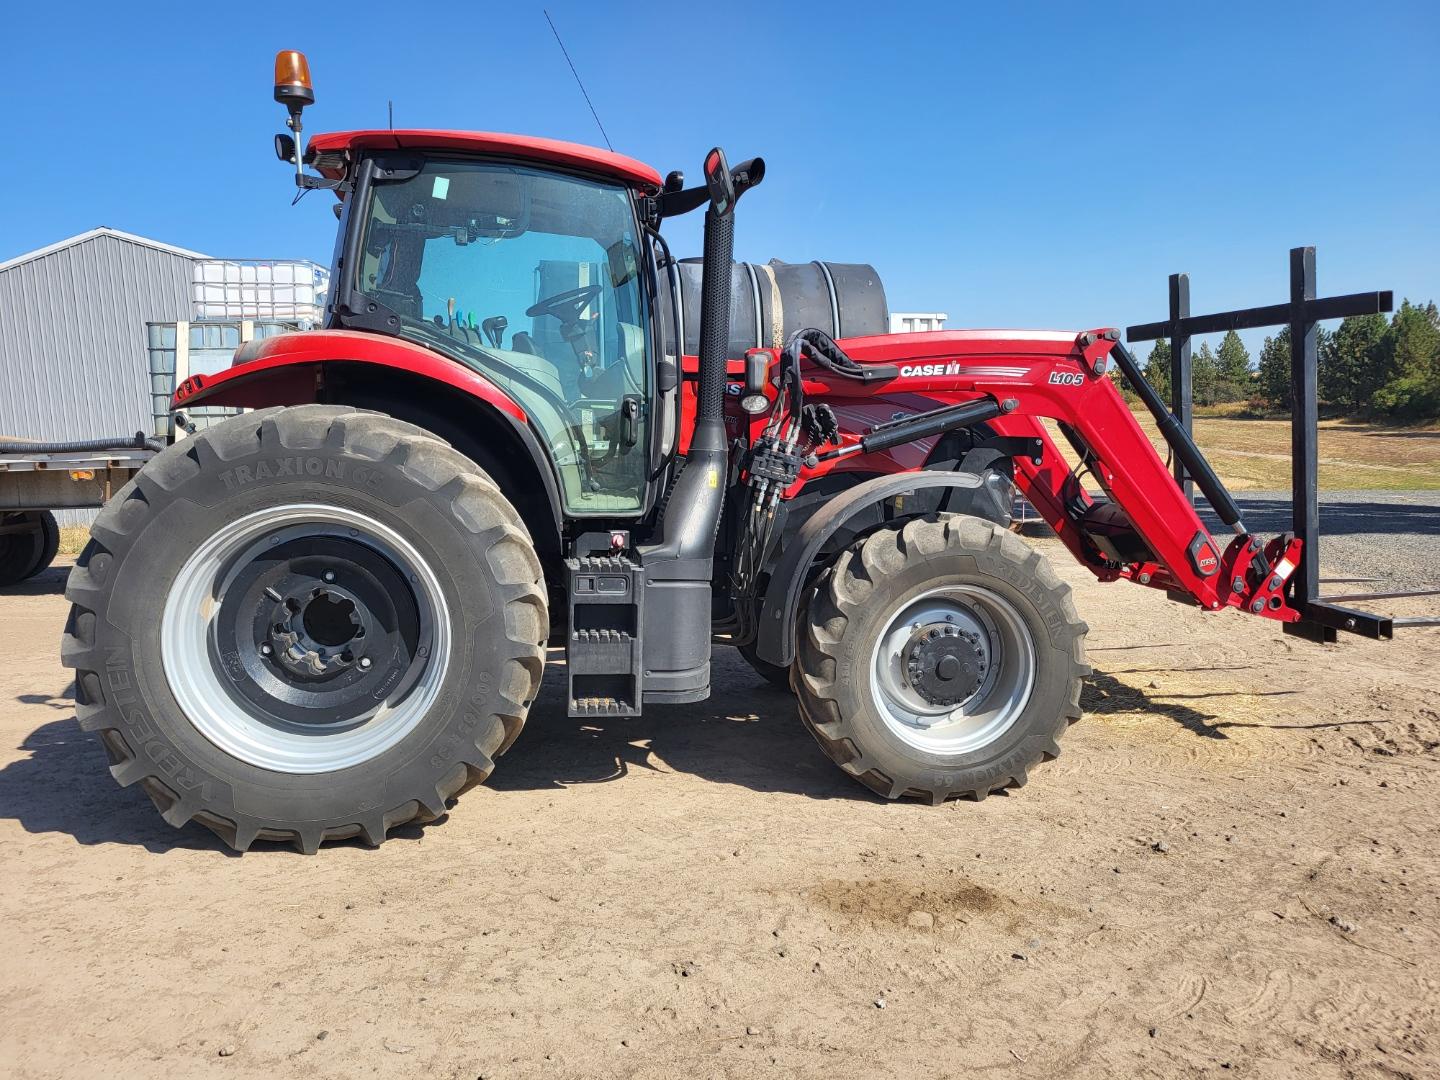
column 566, row 306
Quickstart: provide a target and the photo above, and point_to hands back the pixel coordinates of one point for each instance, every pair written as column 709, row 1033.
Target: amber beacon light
column 292, row 80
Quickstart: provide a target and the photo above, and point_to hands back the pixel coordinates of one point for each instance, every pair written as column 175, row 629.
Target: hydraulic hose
column 919, row 426
column 138, row 441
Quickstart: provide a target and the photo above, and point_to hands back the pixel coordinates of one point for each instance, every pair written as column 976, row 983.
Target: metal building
column 73, row 348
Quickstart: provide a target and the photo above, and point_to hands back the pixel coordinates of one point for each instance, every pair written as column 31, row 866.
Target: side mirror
column 719, row 182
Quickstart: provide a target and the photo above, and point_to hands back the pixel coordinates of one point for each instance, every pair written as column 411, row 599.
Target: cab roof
column 552, row 151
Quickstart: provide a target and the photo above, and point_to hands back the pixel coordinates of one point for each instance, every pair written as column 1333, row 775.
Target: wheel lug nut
column 365, row 662
column 329, row 575
column 265, row 649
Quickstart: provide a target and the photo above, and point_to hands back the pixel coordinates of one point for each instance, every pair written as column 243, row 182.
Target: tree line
column 1371, row 364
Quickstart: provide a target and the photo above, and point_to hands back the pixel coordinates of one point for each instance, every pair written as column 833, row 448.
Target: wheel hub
column 318, row 631
column 952, row 669
column 945, row 664
column 305, row 638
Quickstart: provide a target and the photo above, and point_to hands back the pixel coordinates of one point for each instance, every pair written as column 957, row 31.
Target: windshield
column 531, row 278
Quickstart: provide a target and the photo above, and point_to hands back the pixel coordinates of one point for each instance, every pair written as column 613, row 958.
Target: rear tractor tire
column 306, row 624
column 940, row 658
column 30, row 548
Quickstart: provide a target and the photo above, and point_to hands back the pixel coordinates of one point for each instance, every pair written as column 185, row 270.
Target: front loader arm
column 1120, row 458
column 1034, row 378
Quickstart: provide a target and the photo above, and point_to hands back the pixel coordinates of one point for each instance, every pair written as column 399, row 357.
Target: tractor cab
column 525, row 260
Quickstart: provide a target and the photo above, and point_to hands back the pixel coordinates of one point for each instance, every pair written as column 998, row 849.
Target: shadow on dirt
column 1104, row 693
column 49, row 582
column 748, row 733
column 64, row 786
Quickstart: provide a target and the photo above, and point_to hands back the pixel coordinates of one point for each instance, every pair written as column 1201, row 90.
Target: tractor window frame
column 352, row 308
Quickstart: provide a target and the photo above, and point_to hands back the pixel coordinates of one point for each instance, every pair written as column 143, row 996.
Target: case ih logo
column 1067, row 378
column 955, row 367
column 924, row 370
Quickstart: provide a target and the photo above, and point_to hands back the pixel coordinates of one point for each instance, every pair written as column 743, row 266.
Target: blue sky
column 1012, row 165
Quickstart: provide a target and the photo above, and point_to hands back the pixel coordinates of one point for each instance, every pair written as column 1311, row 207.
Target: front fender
column 858, row 510
column 264, row 366
column 293, row 369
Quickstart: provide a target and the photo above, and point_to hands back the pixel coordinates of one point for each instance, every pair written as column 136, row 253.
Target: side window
column 531, row 278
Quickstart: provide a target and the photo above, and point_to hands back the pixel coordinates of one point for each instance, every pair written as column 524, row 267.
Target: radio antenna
column 566, row 53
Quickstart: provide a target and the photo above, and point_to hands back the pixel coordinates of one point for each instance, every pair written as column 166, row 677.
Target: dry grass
column 72, row 539
column 1255, row 454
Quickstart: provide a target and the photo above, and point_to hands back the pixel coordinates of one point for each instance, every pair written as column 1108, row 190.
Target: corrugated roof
column 143, row 241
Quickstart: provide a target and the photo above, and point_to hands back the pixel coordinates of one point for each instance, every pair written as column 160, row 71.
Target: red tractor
column 326, row 617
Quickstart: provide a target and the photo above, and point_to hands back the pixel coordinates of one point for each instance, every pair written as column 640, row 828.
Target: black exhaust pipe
column 692, row 515
column 679, row 568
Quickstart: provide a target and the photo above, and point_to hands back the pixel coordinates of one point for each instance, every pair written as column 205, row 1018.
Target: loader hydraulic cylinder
column 1174, row 433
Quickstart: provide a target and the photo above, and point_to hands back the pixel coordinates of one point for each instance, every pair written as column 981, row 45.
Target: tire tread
column 837, row 597
column 422, row 457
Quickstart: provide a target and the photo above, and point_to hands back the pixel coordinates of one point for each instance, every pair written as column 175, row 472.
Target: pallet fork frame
column 1322, row 617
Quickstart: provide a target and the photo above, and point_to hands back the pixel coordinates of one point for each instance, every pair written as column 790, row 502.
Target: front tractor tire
column 939, row 658
column 306, row 624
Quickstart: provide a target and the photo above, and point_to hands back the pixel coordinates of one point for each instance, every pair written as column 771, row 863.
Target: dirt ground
column 1232, row 870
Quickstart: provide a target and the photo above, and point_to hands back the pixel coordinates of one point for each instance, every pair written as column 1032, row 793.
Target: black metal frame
column 1322, row 616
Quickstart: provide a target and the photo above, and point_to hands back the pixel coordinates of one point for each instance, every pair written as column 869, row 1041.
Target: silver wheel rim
column 190, row 659
column 997, row 635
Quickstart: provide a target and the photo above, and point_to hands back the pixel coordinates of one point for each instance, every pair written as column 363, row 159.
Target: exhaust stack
column 692, row 514
column 678, row 569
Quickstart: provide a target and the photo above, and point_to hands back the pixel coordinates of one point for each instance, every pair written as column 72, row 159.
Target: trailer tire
column 400, row 681
column 911, row 606
column 25, row 554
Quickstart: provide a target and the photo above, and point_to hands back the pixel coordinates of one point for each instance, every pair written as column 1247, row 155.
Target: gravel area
column 1392, row 536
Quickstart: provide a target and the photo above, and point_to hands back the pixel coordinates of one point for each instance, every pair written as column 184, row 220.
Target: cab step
column 603, row 653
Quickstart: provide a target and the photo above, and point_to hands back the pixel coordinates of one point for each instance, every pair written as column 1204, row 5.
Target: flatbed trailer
column 38, row 478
